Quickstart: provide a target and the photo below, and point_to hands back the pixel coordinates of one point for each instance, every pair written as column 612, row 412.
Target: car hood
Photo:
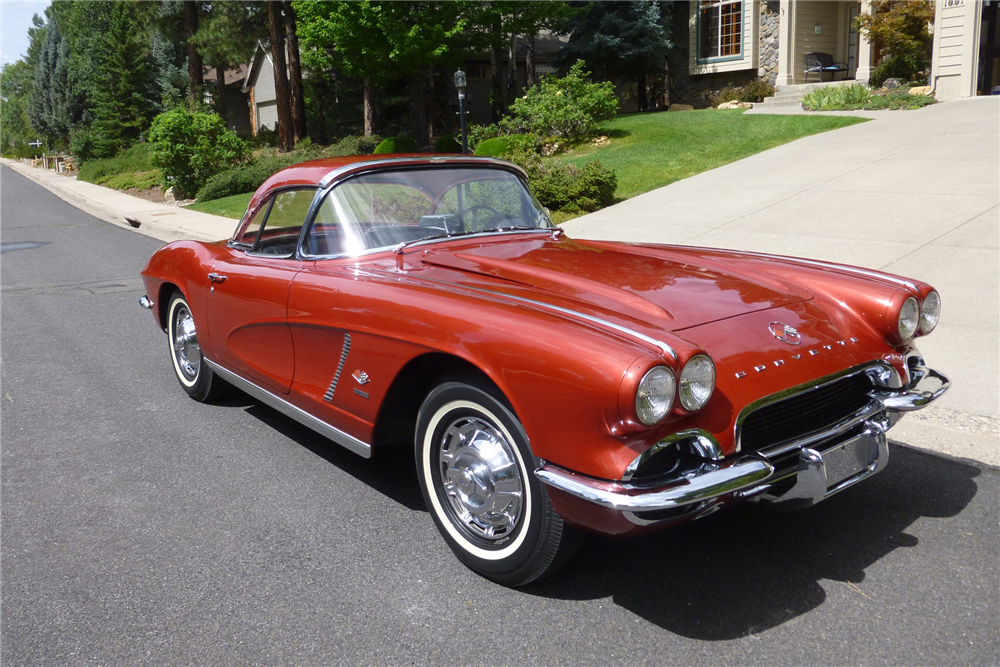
column 670, row 288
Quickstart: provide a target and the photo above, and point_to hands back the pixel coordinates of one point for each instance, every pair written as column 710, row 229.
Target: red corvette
column 549, row 386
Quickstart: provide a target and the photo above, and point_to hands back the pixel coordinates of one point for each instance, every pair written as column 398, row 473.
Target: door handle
column 217, row 277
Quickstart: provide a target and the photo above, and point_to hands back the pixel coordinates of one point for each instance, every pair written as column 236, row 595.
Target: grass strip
column 648, row 151
column 229, row 207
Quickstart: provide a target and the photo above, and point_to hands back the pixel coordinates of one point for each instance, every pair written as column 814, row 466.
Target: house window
column 720, row 29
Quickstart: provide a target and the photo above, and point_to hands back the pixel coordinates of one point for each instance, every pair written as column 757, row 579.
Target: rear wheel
column 195, row 376
column 476, row 471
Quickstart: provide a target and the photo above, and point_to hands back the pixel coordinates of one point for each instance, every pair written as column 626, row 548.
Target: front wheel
column 195, row 376
column 475, row 469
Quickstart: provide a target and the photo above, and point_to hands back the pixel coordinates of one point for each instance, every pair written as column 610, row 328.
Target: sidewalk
column 161, row 221
column 911, row 192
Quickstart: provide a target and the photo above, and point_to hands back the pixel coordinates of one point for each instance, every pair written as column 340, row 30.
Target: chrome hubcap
column 186, row 348
column 481, row 479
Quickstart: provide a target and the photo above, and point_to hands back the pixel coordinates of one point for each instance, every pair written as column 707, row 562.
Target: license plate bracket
column 848, row 459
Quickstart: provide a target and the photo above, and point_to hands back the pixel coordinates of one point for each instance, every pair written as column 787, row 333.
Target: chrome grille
column 804, row 413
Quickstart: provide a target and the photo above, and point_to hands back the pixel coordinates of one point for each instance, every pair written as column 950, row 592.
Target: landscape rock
column 169, row 195
column 893, row 83
column 920, row 90
column 735, row 104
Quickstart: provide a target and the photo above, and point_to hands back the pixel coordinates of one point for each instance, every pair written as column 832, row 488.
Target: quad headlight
column 655, row 395
column 697, row 382
column 930, row 312
column 909, row 319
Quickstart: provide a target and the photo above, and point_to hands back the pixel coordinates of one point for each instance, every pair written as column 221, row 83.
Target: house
column 734, row 41
column 237, row 102
column 719, row 42
column 966, row 58
column 259, row 85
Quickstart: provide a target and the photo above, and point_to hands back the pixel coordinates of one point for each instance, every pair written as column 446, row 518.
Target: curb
column 139, row 219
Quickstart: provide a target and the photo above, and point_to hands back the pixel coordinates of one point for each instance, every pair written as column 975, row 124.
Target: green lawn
column 648, row 151
column 230, row 207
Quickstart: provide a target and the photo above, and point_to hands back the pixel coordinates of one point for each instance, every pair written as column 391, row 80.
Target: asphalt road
column 140, row 527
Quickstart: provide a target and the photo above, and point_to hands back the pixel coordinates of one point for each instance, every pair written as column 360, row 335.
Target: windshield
column 383, row 209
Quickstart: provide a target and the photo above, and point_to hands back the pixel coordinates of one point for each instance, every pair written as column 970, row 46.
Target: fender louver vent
column 328, row 396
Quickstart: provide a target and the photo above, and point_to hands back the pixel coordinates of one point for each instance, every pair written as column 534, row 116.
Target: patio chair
column 823, row 62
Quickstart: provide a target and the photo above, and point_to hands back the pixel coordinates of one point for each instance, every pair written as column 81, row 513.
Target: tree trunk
column 220, row 85
column 298, row 100
column 496, row 86
column 666, row 84
column 529, row 63
column 431, row 106
column 369, row 108
column 195, row 79
column 512, row 68
column 418, row 93
column 281, row 93
column 640, row 86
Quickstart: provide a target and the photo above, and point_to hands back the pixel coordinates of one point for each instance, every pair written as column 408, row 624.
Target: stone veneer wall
column 695, row 90
column 770, row 18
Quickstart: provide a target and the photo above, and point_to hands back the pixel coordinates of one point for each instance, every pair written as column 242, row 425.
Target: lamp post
column 460, row 85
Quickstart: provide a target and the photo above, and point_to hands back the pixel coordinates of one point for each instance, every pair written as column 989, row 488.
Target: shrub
column 480, row 133
column 402, row 143
column 566, row 187
column 861, row 97
column 135, row 159
column 837, row 97
column 306, row 144
column 142, row 180
column 26, row 151
column 246, row 178
column 510, row 143
column 755, row 91
column 353, row 145
column 266, row 136
column 190, row 148
column 569, row 107
column 898, row 67
column 81, row 144
column 447, row 144
column 494, row 147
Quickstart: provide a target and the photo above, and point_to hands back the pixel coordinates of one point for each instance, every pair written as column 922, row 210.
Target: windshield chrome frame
column 343, row 174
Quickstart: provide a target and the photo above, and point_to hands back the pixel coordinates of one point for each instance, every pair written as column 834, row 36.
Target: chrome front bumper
column 822, row 468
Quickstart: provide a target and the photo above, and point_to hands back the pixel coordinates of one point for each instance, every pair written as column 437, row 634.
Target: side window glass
column 249, row 233
column 281, row 229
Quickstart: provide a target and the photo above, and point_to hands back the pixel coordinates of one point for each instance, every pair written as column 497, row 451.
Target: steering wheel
column 477, row 207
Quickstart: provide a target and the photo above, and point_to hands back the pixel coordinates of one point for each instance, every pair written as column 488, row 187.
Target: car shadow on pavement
column 747, row 569
column 392, row 471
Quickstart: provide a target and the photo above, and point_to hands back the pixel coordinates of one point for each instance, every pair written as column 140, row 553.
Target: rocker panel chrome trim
column 298, row 414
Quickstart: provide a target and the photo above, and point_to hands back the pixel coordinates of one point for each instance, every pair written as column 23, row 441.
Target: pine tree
column 625, row 40
column 120, row 107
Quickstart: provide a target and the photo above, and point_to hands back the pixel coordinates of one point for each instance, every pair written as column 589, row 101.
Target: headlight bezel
column 914, row 316
column 926, row 309
column 684, row 382
column 654, row 374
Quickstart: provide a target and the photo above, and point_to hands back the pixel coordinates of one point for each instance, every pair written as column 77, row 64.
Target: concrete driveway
column 911, row 192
